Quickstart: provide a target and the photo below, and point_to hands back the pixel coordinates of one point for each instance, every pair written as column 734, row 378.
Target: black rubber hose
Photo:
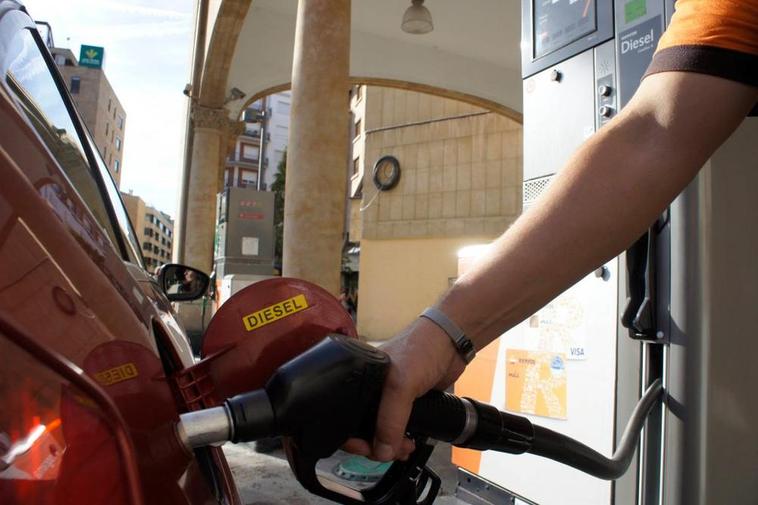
column 563, row 449
column 438, row 415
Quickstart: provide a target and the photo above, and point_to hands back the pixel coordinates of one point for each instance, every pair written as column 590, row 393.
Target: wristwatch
column 462, row 343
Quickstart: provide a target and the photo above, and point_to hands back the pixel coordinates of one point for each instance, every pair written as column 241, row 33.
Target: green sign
column 634, row 9
column 91, row 56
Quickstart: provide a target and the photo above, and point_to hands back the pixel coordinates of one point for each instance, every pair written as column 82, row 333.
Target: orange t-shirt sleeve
column 716, row 37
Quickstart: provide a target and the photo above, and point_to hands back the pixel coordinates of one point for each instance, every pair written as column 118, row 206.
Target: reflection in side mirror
column 182, row 283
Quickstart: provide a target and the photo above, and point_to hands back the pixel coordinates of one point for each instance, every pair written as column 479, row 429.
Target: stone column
column 212, row 132
column 318, row 143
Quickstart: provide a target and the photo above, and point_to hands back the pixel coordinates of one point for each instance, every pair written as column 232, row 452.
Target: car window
column 28, row 76
column 125, row 225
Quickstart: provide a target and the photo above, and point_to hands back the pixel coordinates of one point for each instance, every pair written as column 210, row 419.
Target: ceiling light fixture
column 417, row 19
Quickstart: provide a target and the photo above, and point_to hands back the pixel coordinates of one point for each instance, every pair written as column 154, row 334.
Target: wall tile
column 478, row 147
column 423, row 157
column 451, row 151
column 449, row 178
column 436, row 228
column 401, row 229
column 411, row 107
column 463, row 203
column 465, row 146
column 448, row 204
column 493, row 174
column 436, row 153
column 422, row 181
column 512, row 172
column 435, row 205
column 384, row 230
column 396, row 207
column 463, row 177
column 454, row 227
column 511, row 204
column 478, row 175
column 494, row 146
column 474, row 226
column 419, row 229
column 409, row 206
column 492, row 198
column 435, row 179
column 477, row 202
column 424, row 106
column 422, row 206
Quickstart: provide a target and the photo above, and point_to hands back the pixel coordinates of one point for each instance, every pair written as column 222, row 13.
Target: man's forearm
column 608, row 193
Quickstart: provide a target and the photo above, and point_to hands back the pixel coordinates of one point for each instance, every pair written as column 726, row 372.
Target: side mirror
column 181, row 283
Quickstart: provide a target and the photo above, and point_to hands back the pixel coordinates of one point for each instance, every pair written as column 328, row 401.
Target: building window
column 116, row 166
column 356, row 165
column 110, row 104
column 118, row 144
column 249, row 152
column 248, row 178
column 147, row 246
column 107, row 128
column 114, row 113
column 60, row 59
column 120, row 122
column 76, row 83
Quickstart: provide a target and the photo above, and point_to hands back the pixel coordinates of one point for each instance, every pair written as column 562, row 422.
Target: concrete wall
column 400, row 278
column 460, row 184
column 461, row 167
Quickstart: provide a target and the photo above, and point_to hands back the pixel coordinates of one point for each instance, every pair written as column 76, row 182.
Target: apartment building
column 267, row 132
column 96, row 102
column 154, row 230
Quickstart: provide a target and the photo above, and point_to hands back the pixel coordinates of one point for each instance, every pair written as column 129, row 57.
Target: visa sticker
column 117, row 374
column 275, row 312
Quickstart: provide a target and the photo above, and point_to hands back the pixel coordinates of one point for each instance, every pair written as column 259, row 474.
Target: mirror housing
column 181, row 283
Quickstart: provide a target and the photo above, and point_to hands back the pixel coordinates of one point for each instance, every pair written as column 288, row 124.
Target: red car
column 88, row 339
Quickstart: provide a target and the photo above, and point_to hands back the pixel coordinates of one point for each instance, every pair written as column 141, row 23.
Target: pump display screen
column 560, row 22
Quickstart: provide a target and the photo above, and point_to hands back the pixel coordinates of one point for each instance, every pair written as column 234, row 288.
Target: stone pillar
column 318, row 143
column 212, row 132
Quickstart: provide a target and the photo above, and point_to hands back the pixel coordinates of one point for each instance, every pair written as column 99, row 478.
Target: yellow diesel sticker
column 275, row 312
column 117, row 374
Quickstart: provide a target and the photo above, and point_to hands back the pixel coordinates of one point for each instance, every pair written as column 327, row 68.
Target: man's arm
column 608, row 193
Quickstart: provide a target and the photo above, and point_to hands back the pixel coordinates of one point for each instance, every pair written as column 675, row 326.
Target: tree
column 278, row 188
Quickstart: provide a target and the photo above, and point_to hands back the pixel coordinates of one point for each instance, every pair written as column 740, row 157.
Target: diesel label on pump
column 635, row 48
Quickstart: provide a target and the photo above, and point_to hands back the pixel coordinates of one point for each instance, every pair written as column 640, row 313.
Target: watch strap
column 462, row 343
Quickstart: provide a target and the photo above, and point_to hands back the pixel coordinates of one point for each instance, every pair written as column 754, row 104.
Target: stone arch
column 407, row 85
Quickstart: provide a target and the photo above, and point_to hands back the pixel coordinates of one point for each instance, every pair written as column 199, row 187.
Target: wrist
column 462, row 345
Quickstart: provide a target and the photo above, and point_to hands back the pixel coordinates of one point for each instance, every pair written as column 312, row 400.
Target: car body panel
column 64, row 282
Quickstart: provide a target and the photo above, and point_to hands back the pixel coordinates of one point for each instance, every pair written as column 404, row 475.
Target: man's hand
column 422, row 358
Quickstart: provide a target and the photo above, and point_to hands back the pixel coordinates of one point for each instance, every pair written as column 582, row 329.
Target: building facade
column 460, row 170
column 266, row 130
column 98, row 105
column 154, row 230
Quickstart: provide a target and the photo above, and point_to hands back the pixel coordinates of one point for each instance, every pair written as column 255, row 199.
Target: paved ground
column 266, row 479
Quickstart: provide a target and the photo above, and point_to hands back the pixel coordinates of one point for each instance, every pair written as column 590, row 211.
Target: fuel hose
column 446, row 417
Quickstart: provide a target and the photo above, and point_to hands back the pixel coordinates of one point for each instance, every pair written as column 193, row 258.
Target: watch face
column 386, row 173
